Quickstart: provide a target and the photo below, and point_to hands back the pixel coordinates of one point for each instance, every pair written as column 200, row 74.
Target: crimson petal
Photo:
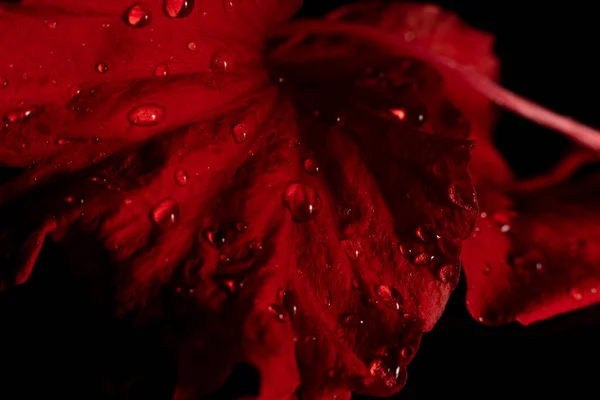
column 194, row 188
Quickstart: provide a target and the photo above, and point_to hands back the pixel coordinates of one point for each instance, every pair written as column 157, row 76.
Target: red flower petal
column 321, row 245
column 534, row 258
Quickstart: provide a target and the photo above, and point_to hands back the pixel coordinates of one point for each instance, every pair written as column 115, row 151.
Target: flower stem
column 397, row 45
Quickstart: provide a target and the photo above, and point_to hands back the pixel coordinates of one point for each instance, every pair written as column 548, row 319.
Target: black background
column 52, row 342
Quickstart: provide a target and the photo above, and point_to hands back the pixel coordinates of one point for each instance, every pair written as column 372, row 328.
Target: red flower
column 302, row 211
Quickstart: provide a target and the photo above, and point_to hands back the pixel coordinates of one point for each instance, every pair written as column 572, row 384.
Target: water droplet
column 179, row 8
column 352, row 248
column 215, row 237
column 229, row 5
column 408, row 249
column 286, row 298
column 505, row 228
column 166, row 213
column 327, row 300
column 96, row 140
column 407, row 353
column 449, row 273
column 350, row 320
column 277, row 311
column 146, row 115
column 302, row 202
column 240, row 133
column 399, row 113
column 241, row 226
column 3, row 82
column 255, row 245
column 487, row 268
column 463, row 195
column 221, row 62
column 311, row 166
column 181, row 177
column 161, row 70
column 192, row 46
column 576, row 294
column 101, row 68
column 388, row 296
column 138, row 16
column 51, row 24
column 20, row 115
column 426, row 233
column 63, row 141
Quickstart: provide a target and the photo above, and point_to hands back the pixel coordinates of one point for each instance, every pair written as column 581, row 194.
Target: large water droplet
column 240, row 133
column 179, row 8
column 192, row 46
column 302, row 202
column 181, row 177
column 161, row 70
column 221, row 62
column 166, row 213
column 388, row 296
column 146, row 115
column 101, row 68
column 311, row 166
column 463, row 195
column 138, row 16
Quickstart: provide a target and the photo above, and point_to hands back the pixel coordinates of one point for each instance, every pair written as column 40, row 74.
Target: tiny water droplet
column 352, row 248
column 51, row 24
column 407, row 353
column 350, row 320
column 399, row 113
column 426, row 233
column 255, row 245
column 161, row 70
column 311, row 166
column 179, row 8
column 215, row 237
column 146, row 115
column 192, row 46
column 327, row 300
column 277, row 311
column 576, row 294
column 137, row 16
column 229, row 5
column 101, row 68
column 388, row 296
column 63, row 141
column 3, row 82
column 20, row 115
column 240, row 133
column 181, row 177
column 96, row 140
column 302, row 202
column 463, row 195
column 449, row 273
column 241, row 226
column 221, row 62
column 411, row 249
column 166, row 213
